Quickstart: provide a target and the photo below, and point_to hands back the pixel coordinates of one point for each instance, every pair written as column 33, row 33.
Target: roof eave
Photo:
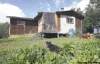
column 70, row 13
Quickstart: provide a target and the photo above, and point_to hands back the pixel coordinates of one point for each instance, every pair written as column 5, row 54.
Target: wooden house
column 22, row 25
column 59, row 23
column 48, row 24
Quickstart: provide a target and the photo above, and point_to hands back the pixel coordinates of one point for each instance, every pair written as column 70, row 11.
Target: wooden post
column 81, row 27
column 9, row 25
column 57, row 35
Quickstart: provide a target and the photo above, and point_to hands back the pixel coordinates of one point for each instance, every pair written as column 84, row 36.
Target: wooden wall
column 40, row 24
column 18, row 26
column 49, row 25
column 46, row 23
column 57, row 22
column 78, row 26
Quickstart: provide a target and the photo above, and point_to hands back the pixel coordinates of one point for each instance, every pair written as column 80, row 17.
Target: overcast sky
column 29, row 8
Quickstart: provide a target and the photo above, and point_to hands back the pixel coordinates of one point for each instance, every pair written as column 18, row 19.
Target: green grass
column 19, row 42
column 24, row 42
column 32, row 50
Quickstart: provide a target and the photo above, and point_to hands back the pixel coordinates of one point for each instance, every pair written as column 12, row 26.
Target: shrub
column 87, row 53
column 4, row 30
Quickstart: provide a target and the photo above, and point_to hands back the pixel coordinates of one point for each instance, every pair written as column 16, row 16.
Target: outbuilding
column 59, row 23
column 22, row 25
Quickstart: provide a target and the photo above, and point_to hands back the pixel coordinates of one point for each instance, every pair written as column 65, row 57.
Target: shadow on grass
column 6, row 40
column 9, row 40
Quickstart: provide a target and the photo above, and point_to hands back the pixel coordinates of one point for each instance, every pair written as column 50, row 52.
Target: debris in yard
column 52, row 47
column 87, row 36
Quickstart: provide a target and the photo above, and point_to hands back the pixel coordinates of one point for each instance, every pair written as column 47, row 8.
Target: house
column 48, row 24
column 22, row 25
column 59, row 23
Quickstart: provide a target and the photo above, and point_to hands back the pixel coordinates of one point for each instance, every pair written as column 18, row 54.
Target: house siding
column 40, row 25
column 66, row 27
column 57, row 21
column 49, row 24
column 78, row 26
column 18, row 27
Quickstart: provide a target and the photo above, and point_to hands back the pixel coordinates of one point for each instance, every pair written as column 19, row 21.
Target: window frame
column 70, row 20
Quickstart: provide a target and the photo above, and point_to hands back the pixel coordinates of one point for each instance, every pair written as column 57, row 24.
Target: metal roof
column 21, row 18
column 71, row 13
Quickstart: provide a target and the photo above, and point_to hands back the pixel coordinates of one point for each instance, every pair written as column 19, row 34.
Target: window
column 70, row 20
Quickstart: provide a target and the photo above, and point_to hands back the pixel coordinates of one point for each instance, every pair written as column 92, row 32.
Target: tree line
column 92, row 16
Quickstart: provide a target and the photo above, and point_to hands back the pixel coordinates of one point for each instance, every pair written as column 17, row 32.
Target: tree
column 4, row 30
column 92, row 15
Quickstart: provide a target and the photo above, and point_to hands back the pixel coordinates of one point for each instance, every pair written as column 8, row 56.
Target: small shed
column 97, row 29
column 22, row 25
column 59, row 23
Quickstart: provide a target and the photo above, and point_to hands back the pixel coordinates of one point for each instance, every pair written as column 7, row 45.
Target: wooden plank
column 49, row 23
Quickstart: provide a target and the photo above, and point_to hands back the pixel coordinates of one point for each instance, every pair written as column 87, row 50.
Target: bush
column 87, row 53
column 4, row 30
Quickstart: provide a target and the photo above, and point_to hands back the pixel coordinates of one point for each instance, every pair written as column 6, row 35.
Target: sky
column 29, row 8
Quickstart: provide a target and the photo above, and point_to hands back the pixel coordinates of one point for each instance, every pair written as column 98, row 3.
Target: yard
column 33, row 50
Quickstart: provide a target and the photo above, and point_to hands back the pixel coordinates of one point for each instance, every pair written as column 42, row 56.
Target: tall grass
column 73, row 52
